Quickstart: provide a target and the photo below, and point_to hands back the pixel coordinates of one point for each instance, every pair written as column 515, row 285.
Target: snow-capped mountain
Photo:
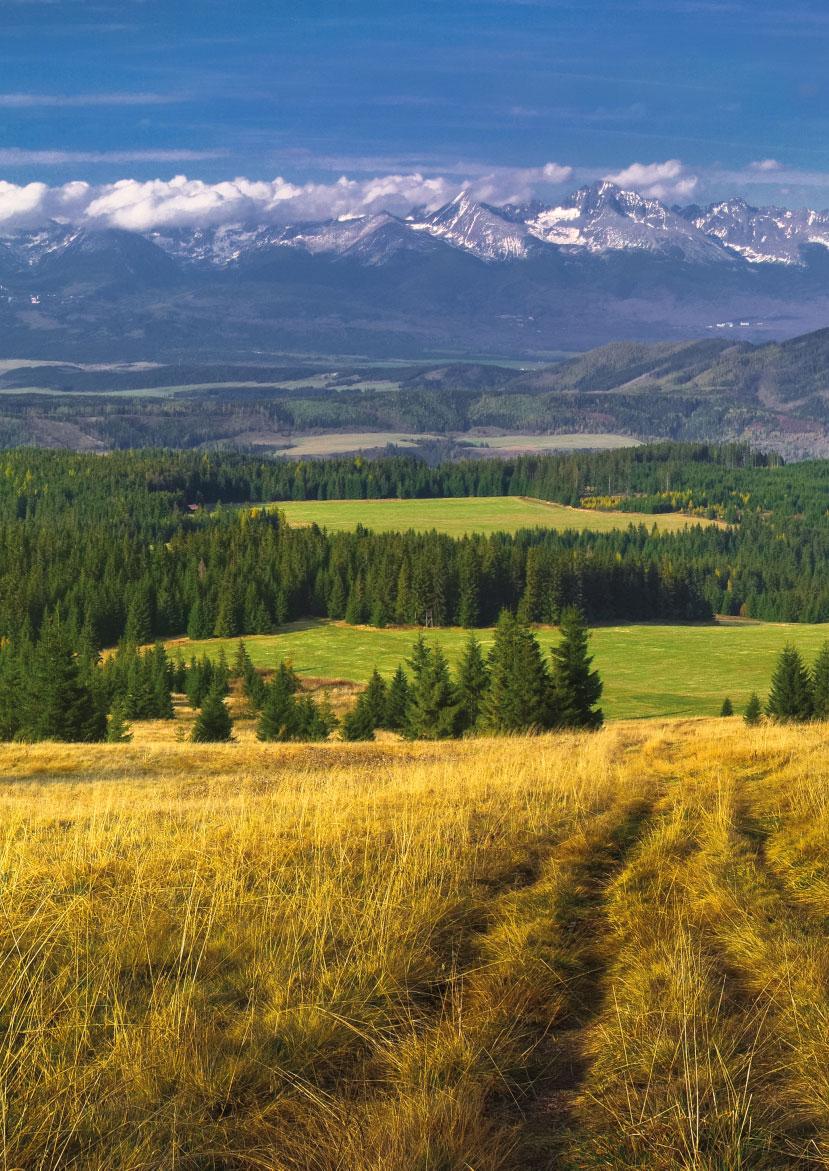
column 599, row 219
column 602, row 264
column 604, row 218
column 477, row 228
column 764, row 235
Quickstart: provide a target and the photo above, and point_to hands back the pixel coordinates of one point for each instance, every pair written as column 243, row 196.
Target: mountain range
column 467, row 279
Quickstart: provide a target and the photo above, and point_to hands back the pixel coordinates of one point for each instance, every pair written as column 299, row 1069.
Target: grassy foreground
column 647, row 670
column 470, row 514
column 567, row 952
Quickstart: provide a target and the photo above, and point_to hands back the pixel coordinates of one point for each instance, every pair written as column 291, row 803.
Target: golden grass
column 564, row 952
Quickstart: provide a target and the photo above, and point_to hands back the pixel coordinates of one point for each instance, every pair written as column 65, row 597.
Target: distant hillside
column 774, row 395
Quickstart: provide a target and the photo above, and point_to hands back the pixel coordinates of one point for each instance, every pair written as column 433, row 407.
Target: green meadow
column 467, row 514
column 647, row 670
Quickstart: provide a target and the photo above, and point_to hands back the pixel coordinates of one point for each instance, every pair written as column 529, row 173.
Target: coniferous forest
column 145, row 545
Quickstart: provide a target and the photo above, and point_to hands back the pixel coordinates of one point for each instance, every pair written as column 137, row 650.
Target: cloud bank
column 142, row 206
column 180, row 202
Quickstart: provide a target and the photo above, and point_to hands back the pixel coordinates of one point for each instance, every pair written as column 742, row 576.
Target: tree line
column 49, row 691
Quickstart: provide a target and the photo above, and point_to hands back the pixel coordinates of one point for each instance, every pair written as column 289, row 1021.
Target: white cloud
column 14, row 156
column 29, row 101
column 669, row 180
column 765, row 166
column 139, row 205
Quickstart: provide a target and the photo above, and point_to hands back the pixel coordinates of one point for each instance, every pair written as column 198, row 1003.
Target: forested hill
column 775, row 396
column 129, row 549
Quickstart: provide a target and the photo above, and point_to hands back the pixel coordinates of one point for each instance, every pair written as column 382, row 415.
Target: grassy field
column 567, row 952
column 647, row 670
column 469, row 514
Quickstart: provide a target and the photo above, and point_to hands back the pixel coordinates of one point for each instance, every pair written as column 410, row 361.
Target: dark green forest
column 149, row 544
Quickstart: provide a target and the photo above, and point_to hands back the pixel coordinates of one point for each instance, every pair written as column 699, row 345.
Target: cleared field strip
column 457, row 515
column 647, row 670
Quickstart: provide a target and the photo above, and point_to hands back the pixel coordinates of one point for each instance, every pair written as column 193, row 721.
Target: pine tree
column 313, row 721
column 518, row 697
column 358, row 724
column 471, row 684
column 57, row 704
column 820, row 684
column 397, row 701
column 198, row 622
column 161, row 683
column 336, row 598
column 754, row 710
column 576, row 689
column 228, row 613
column 432, row 709
column 727, row 708
column 278, row 716
column 139, row 623
column 790, row 697
column 241, row 661
column 118, row 731
column 213, row 724
column 376, row 694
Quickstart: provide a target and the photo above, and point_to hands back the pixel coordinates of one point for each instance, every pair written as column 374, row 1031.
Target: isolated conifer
column 754, row 710
column 576, row 688
column 820, row 684
column 471, row 683
column 213, row 723
column 790, row 697
column 727, row 708
column 118, row 731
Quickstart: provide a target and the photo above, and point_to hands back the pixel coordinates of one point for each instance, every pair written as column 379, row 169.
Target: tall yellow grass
column 565, row 951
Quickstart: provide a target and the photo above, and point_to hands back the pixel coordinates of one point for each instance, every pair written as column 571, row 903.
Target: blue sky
column 734, row 92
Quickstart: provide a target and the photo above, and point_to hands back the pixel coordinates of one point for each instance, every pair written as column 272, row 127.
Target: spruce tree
column 241, row 661
column 790, row 697
column 576, row 689
column 139, row 622
column 754, row 710
column 397, row 701
column 518, row 696
column 471, row 684
column 118, row 731
column 820, row 684
column 727, row 708
column 358, row 724
column 376, row 698
column 57, row 704
column 278, row 716
column 432, row 709
column 213, row 724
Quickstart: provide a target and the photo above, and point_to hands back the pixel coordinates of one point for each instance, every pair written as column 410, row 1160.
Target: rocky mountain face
column 602, row 264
